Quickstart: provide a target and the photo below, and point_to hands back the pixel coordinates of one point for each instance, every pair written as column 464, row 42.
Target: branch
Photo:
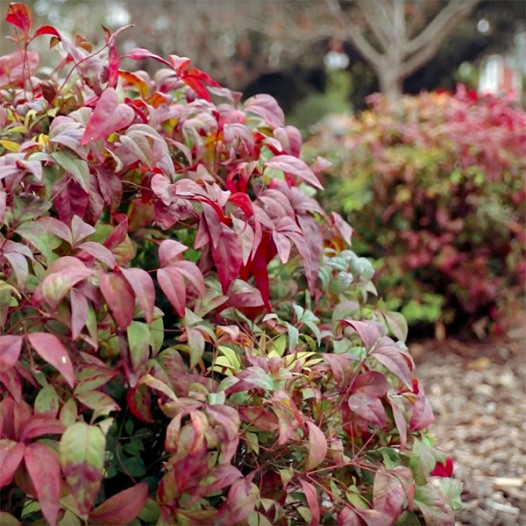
column 355, row 34
column 379, row 20
column 441, row 25
column 429, row 47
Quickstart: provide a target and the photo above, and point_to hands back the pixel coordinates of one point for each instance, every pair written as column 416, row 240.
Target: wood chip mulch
column 478, row 393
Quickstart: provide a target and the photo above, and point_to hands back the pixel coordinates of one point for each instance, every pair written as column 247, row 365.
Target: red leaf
column 144, row 289
column 218, row 478
column 51, row 350
column 20, row 16
column 312, row 500
column 12, row 382
column 240, row 503
column 172, row 284
column 139, row 402
column 40, row 425
column 79, row 312
column 227, row 253
column 11, row 454
column 317, row 446
column 369, row 407
column 44, row 471
column 108, row 117
column 371, row 383
column 113, row 65
column 47, row 30
column 294, row 166
column 443, row 469
column 122, row 508
column 119, row 296
column 422, row 415
column 10, row 347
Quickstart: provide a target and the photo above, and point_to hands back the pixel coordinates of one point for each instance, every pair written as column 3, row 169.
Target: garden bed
column 478, row 394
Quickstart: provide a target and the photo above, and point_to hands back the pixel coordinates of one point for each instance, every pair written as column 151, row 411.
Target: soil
column 478, row 393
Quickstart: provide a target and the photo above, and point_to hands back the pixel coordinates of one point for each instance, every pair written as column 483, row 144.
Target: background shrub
column 435, row 187
column 185, row 336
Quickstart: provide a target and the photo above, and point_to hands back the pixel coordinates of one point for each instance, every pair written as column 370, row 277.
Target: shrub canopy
column 185, row 334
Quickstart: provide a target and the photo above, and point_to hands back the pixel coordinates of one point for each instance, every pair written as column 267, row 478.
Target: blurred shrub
column 434, row 185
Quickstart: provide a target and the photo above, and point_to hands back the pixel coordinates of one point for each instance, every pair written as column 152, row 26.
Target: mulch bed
column 478, row 392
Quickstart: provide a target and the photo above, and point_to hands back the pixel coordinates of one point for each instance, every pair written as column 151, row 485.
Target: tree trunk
column 391, row 81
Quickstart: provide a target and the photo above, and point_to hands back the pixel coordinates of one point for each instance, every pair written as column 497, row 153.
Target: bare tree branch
column 441, row 25
column 379, row 21
column 355, row 34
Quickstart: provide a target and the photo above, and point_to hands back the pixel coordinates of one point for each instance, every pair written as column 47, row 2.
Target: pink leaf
column 266, row 107
column 400, row 422
column 143, row 54
column 119, row 296
column 11, row 454
column 317, row 446
column 312, row 500
column 51, row 350
column 98, row 251
column 144, row 289
column 108, row 117
column 391, row 357
column 44, row 471
column 294, row 166
column 192, row 273
column 172, row 284
column 388, row 494
column 15, row 67
column 169, row 251
column 10, row 347
column 40, row 425
column 56, row 285
column 122, row 508
column 369, row 332
column 344, row 229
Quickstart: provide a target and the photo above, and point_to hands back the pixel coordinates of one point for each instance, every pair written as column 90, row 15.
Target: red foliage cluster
column 435, row 186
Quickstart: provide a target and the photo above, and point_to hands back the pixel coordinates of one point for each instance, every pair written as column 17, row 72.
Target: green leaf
column 139, row 343
column 433, row 505
column 47, row 401
column 72, row 164
column 82, row 453
column 452, row 489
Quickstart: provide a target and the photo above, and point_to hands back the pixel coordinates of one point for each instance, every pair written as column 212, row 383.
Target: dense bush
column 435, row 187
column 185, row 337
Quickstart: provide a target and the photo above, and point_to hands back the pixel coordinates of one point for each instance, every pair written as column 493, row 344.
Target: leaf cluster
column 186, row 337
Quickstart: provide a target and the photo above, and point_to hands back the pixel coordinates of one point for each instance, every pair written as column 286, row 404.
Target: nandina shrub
column 186, row 337
column 434, row 185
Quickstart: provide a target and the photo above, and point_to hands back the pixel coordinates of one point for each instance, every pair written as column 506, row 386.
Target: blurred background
column 316, row 56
